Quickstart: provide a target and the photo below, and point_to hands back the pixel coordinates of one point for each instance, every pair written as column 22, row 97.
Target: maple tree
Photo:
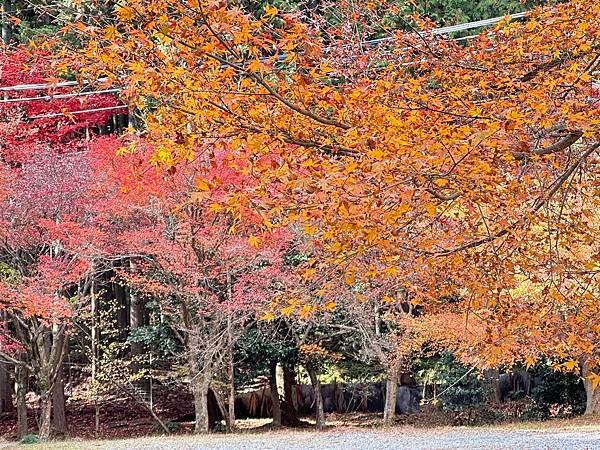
column 208, row 277
column 45, row 176
column 467, row 170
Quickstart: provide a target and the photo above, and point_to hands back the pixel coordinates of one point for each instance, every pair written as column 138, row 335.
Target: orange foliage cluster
column 458, row 171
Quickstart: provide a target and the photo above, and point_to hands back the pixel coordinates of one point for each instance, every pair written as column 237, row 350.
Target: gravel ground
column 352, row 438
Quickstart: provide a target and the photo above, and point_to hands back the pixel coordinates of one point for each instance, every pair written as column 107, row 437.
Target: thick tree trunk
column 45, row 416
column 275, row 402
column 59, row 421
column 492, row 385
column 20, row 391
column 123, row 305
column 391, row 390
column 5, row 389
column 289, row 382
column 316, row 384
column 200, row 379
column 592, row 394
column 51, row 350
column 137, row 319
column 200, row 391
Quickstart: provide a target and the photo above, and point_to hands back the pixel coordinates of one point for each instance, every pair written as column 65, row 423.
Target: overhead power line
column 81, row 111
column 59, row 96
column 42, row 86
column 434, row 32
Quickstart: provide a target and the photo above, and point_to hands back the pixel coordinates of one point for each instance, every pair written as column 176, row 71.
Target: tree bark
column 275, row 401
column 120, row 294
column 230, row 373
column 592, row 394
column 391, row 390
column 289, row 382
column 200, row 378
column 137, row 320
column 5, row 389
column 20, row 391
column 51, row 350
column 316, row 384
column 6, row 27
column 45, row 416
column 200, row 391
column 59, row 420
column 492, row 384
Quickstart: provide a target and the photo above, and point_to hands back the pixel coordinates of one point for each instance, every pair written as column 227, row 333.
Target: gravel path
column 352, row 438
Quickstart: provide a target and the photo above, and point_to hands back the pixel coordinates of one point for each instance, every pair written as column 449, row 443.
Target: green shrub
column 557, row 394
column 30, row 439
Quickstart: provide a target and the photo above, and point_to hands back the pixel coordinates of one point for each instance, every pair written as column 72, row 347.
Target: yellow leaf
column 309, row 274
column 350, row 279
column 305, row 311
column 268, row 317
column 329, row 305
column 390, row 271
column 254, row 66
column 431, row 209
column 202, row 185
column 376, row 154
column 214, row 207
column 570, row 364
column 254, row 241
column 271, row 11
column 529, row 361
column 310, row 229
column 287, row 311
column 125, row 13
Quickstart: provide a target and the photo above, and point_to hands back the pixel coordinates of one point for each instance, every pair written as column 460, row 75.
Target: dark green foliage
column 259, row 347
column 557, row 394
column 454, row 385
column 30, row 439
column 451, row 12
column 159, row 337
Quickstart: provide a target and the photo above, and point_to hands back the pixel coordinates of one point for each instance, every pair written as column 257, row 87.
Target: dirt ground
column 548, row 435
column 121, row 418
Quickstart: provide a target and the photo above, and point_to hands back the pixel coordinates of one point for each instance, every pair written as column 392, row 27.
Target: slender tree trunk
column 6, row 28
column 275, row 401
column 230, row 376
column 220, row 398
column 230, row 371
column 20, row 391
column 51, row 349
column 94, row 348
column 391, row 390
column 316, row 384
column 592, row 394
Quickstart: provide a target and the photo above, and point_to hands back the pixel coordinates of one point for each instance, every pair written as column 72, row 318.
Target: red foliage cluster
column 71, row 198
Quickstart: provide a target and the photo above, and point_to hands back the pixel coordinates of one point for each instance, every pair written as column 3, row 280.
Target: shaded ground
column 553, row 436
